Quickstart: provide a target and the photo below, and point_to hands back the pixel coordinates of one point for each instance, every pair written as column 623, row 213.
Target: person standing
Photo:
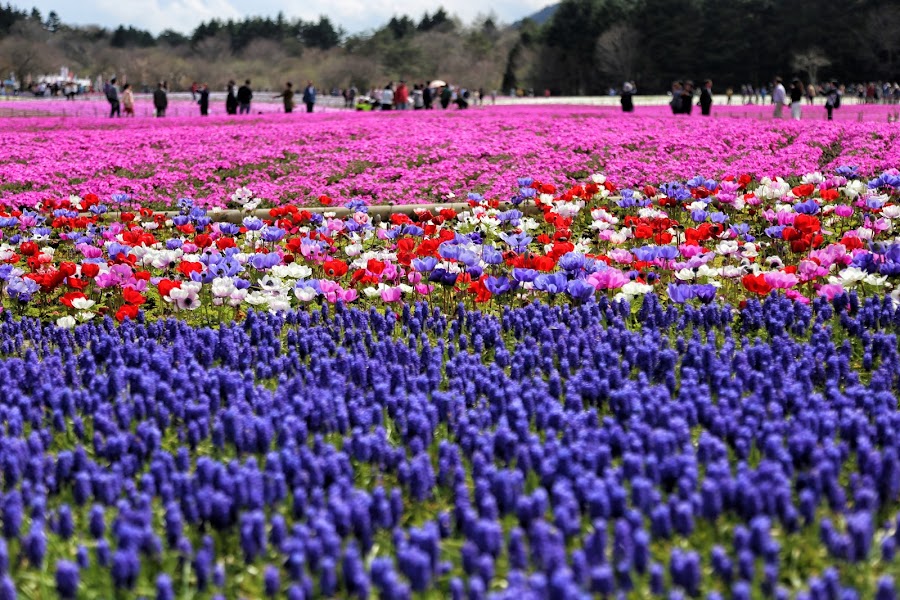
column 687, row 97
column 778, row 96
column 231, row 103
column 675, row 103
column 244, row 97
column 796, row 99
column 128, row 100
column 112, row 96
column 810, row 94
column 287, row 96
column 427, row 97
column 309, row 96
column 194, row 89
column 446, row 96
column 418, row 101
column 401, row 96
column 203, row 92
column 387, row 97
column 832, row 99
column 627, row 98
column 706, row 98
column 160, row 100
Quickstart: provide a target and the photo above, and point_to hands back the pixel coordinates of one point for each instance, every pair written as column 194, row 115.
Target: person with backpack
column 160, row 100
column 244, row 97
column 112, row 96
column 832, row 99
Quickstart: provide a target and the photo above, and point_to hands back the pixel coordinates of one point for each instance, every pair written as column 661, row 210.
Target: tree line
column 586, row 47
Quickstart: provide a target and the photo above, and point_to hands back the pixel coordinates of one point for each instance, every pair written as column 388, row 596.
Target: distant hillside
column 543, row 15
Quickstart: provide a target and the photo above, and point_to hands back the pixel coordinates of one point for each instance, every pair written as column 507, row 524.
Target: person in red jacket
column 401, row 96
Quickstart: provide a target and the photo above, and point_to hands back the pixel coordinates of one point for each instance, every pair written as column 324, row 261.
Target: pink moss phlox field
column 419, row 157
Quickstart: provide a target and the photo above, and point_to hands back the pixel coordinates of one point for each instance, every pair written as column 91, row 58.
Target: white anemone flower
column 66, row 322
column 186, row 297
column 82, row 303
column 304, row 294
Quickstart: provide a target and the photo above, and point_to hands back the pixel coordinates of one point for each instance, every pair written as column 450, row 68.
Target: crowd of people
column 237, row 100
column 420, row 97
column 683, row 94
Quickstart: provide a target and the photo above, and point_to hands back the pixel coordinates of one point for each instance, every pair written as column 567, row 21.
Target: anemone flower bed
column 416, row 156
column 702, row 241
column 547, row 452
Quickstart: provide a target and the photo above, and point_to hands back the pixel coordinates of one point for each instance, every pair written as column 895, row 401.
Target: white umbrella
column 437, row 83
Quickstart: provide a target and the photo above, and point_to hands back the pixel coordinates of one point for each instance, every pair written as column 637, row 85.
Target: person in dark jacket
column 160, row 100
column 231, row 103
column 309, row 96
column 427, row 97
column 706, row 98
column 287, row 96
column 687, row 97
column 446, row 96
column 627, row 97
column 112, row 96
column 204, row 100
column 244, row 96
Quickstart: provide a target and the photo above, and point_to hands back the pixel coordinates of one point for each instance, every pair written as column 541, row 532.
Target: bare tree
column 881, row 37
column 809, row 62
column 26, row 52
column 617, row 51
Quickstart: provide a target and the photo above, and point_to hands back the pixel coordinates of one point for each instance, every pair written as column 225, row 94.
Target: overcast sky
column 353, row 15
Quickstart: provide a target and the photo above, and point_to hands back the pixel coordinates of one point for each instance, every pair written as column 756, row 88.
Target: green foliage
column 130, row 37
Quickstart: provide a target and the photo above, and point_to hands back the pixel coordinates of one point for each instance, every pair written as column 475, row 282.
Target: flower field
column 602, row 376
column 418, row 157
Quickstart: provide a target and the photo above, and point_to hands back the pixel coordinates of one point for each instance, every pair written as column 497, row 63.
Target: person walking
column 627, row 98
column 309, row 96
column 810, row 94
column 401, row 96
column 287, row 96
column 706, row 98
column 778, row 96
column 244, row 97
column 231, row 103
column 112, row 96
column 796, row 99
column 128, row 100
column 160, row 100
column 203, row 92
